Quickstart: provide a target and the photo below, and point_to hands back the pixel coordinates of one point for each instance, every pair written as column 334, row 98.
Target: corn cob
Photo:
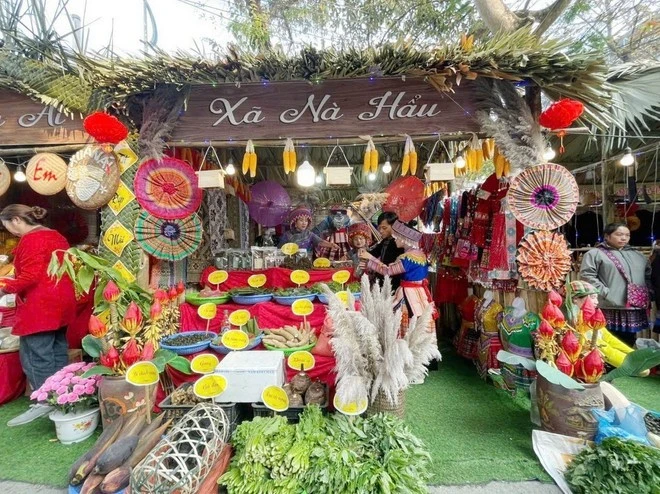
column 413, row 162
column 246, row 163
column 366, row 162
column 373, row 157
column 479, row 159
column 285, row 157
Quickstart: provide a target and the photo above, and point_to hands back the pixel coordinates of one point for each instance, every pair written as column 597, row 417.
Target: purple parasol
column 270, row 203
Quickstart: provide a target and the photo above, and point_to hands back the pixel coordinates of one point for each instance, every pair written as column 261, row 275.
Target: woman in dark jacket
column 386, row 250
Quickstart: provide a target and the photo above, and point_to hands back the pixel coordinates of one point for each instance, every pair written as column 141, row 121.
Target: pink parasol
column 406, row 198
column 269, row 204
column 167, row 188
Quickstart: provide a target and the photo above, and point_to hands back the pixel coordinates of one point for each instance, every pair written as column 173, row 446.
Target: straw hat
column 92, row 177
column 46, row 173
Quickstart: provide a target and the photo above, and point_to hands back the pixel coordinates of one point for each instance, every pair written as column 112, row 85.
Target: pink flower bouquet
column 68, row 391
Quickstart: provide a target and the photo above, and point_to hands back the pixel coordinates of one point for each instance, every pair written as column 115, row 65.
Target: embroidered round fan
column 544, row 197
column 171, row 240
column 92, row 177
column 543, row 259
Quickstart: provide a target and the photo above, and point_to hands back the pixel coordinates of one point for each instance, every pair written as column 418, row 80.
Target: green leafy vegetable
column 290, row 292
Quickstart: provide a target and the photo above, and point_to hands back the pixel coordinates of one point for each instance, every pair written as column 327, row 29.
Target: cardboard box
column 248, row 373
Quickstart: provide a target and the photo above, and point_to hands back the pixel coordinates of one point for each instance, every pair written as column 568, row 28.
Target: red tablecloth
column 12, row 379
column 275, row 277
column 269, row 315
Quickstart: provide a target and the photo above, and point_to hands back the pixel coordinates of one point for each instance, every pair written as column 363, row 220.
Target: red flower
column 156, row 310
column 564, row 364
column 598, row 320
column 132, row 318
column 180, row 287
column 148, row 351
column 571, row 345
column 173, row 293
column 105, row 128
column 590, row 368
column 588, row 311
column 545, row 330
column 555, row 299
column 161, row 295
column 131, row 353
column 96, row 327
column 553, row 315
column 110, row 359
column 111, row 292
column 561, row 114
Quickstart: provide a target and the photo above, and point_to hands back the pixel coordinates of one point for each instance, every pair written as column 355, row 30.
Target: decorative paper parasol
column 171, row 240
column 270, row 203
column 92, row 177
column 544, row 197
column 544, row 260
column 167, row 188
column 406, row 198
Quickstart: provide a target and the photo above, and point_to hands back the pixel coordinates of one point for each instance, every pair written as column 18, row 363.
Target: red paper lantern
column 561, row 114
column 105, row 128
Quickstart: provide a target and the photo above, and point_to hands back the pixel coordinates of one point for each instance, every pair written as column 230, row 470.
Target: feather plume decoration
column 422, row 344
column 504, row 114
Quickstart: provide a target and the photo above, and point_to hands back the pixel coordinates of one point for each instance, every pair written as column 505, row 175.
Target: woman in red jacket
column 44, row 306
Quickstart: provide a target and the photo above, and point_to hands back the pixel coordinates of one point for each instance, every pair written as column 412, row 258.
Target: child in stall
column 360, row 239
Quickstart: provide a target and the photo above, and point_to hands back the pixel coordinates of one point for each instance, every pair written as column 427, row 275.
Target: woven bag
column 46, row 173
column 93, row 176
column 382, row 404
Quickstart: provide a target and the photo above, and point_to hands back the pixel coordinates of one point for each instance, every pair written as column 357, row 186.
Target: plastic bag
column 625, row 423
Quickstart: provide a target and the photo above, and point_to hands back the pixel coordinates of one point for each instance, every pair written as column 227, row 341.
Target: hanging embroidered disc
column 46, row 173
column 544, row 197
column 93, row 176
column 544, row 260
column 171, row 240
column 167, row 188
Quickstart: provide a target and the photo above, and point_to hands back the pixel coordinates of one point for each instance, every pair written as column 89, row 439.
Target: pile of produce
column 293, row 292
column 353, row 287
column 107, row 466
column 185, row 339
column 615, row 466
column 184, row 395
column 290, row 336
column 297, row 262
column 209, row 293
column 326, row 455
column 248, row 291
column 302, row 391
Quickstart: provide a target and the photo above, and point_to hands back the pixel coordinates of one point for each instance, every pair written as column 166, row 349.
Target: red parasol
column 167, row 188
column 406, row 198
column 270, row 203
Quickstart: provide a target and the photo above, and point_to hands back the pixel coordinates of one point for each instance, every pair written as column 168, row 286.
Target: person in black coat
column 386, row 250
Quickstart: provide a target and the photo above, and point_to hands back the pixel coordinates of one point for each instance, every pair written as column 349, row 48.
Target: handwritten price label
column 123, row 270
column 210, row 386
column 321, row 262
column 117, row 237
column 257, row 280
column 301, row 360
column 204, row 363
column 235, row 339
column 207, row 311
column 239, row 317
column 352, row 408
column 343, row 297
column 290, row 248
column 302, row 307
column 299, row 277
column 218, row 277
column 142, row 374
column 341, row 277
column 122, row 198
column 275, row 398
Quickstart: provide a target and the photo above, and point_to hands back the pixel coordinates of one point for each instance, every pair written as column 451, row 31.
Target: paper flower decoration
column 561, row 114
column 105, row 128
column 543, row 260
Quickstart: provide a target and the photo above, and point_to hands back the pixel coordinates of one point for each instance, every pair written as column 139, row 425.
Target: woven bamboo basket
column 382, row 404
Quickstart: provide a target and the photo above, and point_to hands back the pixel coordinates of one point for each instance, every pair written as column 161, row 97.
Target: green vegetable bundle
column 353, row 287
column 615, row 467
column 248, row 290
column 327, row 455
column 290, row 292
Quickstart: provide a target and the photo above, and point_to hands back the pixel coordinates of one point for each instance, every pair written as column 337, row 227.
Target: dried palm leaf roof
column 81, row 83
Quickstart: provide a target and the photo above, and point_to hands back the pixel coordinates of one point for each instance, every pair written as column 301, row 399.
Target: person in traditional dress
column 299, row 232
column 334, row 229
column 360, row 238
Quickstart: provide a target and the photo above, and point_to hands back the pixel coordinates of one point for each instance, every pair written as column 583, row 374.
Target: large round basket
column 92, row 177
column 382, row 405
column 46, row 173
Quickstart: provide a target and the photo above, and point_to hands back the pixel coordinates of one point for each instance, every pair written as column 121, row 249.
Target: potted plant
column 73, row 396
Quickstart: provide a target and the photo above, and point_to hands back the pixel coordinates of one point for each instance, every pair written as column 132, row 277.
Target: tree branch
column 497, row 16
column 549, row 15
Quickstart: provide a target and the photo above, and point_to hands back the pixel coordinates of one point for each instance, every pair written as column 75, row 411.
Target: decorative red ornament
column 180, row 287
column 161, row 295
column 131, row 353
column 564, row 364
column 555, row 299
column 96, row 327
column 111, row 292
column 553, row 315
column 105, row 128
column 148, row 351
column 561, row 114
column 110, row 359
column 132, row 319
column 588, row 311
column 156, row 310
column 598, row 321
column 590, row 368
column 545, row 330
column 173, row 293
column 571, row 345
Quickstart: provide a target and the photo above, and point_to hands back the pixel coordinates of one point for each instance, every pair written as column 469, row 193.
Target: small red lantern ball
column 561, row 114
column 106, row 129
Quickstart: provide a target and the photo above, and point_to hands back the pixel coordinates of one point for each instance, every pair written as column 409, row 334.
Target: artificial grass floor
column 475, row 433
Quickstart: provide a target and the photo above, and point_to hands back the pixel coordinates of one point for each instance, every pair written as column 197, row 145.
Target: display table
column 12, row 379
column 275, row 277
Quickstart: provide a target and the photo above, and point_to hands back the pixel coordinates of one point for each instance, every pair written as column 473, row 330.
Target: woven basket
column 92, row 177
column 382, row 404
column 46, row 173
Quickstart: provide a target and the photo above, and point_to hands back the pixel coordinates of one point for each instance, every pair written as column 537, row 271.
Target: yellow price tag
column 126, row 274
column 210, row 386
column 301, row 360
column 302, row 307
column 343, row 297
column 257, row 280
column 207, row 311
column 341, row 277
column 290, row 248
column 218, row 277
column 275, row 398
column 122, row 198
column 321, row 262
column 299, row 277
column 117, row 237
column 352, row 408
column 235, row 339
column 204, row 363
column 239, row 317
column 142, row 374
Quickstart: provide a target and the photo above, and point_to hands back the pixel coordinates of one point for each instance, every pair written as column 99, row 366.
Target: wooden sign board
column 332, row 109
column 25, row 122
